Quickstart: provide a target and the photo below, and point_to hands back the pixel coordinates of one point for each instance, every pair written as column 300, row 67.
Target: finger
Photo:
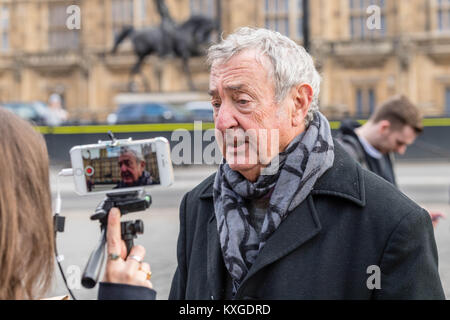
column 142, row 278
column 113, row 236
column 136, row 251
column 145, row 267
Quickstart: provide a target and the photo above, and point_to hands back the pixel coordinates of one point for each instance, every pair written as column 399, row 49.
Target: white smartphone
column 122, row 165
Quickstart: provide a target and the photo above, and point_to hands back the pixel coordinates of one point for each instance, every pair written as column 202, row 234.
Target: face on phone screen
column 109, row 168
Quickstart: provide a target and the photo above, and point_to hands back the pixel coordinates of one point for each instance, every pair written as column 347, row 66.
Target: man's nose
column 225, row 118
column 401, row 150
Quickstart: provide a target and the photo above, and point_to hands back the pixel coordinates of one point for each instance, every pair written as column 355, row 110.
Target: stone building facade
column 366, row 50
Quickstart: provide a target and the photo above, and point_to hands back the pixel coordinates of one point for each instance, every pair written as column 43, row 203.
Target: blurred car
column 200, row 110
column 147, row 113
column 36, row 112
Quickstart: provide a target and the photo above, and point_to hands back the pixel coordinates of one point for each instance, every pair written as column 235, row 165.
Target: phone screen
column 109, row 168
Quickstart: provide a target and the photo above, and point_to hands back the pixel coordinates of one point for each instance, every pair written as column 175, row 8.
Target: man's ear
column 384, row 126
column 303, row 96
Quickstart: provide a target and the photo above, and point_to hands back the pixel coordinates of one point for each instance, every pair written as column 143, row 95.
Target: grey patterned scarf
column 306, row 158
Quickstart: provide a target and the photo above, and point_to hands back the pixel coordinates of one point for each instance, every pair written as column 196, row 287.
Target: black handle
column 129, row 244
column 93, row 268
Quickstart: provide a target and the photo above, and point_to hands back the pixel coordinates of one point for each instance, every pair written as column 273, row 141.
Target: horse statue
column 184, row 40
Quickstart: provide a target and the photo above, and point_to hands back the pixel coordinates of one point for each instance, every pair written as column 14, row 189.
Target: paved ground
column 426, row 183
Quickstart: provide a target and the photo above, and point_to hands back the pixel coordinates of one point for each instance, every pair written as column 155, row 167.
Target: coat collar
column 343, row 180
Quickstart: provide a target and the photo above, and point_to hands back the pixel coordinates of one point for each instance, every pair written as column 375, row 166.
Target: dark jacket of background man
column 382, row 166
column 351, row 220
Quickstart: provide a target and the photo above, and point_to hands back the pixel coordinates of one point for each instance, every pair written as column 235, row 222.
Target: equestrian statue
column 184, row 40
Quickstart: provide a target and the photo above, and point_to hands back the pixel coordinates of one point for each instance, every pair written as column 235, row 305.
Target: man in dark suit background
column 391, row 129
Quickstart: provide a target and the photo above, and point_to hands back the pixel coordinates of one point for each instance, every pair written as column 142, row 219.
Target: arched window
column 4, row 28
column 359, row 18
column 60, row 37
column 203, row 7
column 284, row 16
column 443, row 15
column 122, row 14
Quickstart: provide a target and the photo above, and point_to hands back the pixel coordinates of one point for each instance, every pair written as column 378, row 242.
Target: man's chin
column 242, row 168
column 128, row 182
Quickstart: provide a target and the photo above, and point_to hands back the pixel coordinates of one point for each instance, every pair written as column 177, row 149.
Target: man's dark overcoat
column 330, row 247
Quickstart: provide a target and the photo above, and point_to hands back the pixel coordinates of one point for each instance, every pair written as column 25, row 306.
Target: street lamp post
column 305, row 26
column 219, row 18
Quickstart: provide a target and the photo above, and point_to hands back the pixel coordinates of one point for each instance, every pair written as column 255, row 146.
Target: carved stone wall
column 411, row 58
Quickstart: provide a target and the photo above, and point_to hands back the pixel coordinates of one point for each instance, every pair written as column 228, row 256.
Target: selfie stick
column 126, row 202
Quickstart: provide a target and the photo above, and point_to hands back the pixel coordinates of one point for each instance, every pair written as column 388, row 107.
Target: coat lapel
column 215, row 268
column 215, row 265
column 300, row 225
column 344, row 180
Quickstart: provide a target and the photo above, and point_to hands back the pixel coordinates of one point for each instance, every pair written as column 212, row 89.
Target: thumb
column 113, row 234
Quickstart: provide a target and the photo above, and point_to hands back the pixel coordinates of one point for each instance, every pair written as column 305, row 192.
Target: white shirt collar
column 374, row 153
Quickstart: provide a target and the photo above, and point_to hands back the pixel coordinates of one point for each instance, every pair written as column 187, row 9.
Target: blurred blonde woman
column 26, row 229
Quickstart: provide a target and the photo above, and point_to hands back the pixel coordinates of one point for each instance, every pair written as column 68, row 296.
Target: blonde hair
column 26, row 228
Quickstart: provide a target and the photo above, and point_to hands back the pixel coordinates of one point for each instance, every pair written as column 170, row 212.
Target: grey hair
column 292, row 65
column 137, row 154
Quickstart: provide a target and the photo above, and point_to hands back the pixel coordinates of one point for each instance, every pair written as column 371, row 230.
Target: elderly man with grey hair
column 317, row 227
column 132, row 169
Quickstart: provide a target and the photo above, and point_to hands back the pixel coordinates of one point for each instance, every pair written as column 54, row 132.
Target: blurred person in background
column 393, row 127
column 57, row 114
column 26, row 225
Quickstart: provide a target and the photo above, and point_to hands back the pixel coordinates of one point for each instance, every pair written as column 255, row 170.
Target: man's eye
column 216, row 105
column 242, row 102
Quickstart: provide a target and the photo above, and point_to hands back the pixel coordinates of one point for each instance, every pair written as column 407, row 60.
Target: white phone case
column 164, row 161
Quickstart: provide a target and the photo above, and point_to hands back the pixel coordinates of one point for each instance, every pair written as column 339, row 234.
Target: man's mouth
column 126, row 176
column 237, row 142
